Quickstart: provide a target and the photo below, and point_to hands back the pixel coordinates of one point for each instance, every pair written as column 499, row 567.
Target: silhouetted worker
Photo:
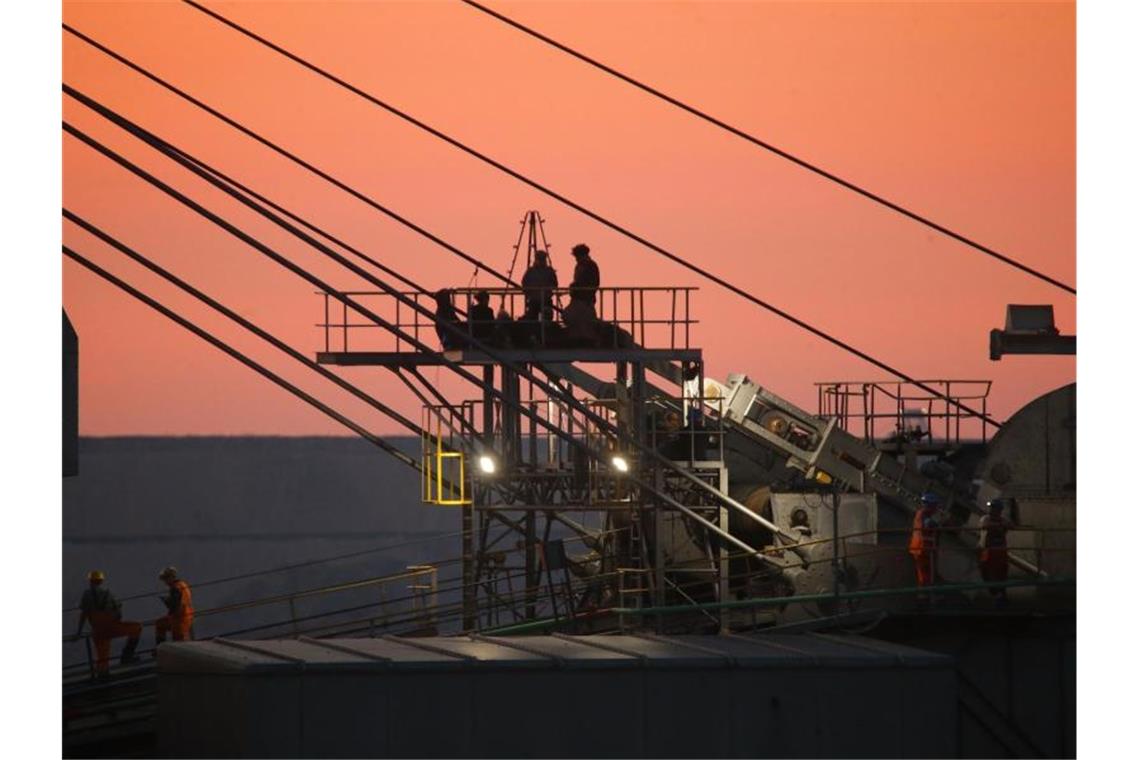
column 993, row 550
column 179, row 615
column 586, row 276
column 504, row 329
column 924, row 540
column 445, row 315
column 538, row 283
column 481, row 317
column 579, row 315
column 103, row 610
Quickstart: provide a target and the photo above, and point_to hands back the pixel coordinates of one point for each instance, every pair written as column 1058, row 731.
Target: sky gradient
column 961, row 111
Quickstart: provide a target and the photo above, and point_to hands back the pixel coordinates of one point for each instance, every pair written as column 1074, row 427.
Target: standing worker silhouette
column 481, row 318
column 179, row 609
column 103, row 610
column 580, row 316
column 924, row 540
column 538, row 284
column 993, row 548
column 445, row 315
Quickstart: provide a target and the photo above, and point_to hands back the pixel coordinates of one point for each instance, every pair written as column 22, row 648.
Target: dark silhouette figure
column 445, row 315
column 993, row 548
column 179, row 618
column 580, row 316
column 100, row 607
column 586, row 276
column 481, row 317
column 504, row 329
column 538, row 284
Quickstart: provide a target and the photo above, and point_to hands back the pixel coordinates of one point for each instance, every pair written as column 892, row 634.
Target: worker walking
column 539, row 282
column 580, row 316
column 924, row 540
column 993, row 550
column 100, row 607
column 179, row 609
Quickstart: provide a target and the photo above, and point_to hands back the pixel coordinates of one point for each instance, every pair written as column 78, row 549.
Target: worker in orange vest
column 924, row 539
column 993, row 550
column 100, row 607
column 179, row 609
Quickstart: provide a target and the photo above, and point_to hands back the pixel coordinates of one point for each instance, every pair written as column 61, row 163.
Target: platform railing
column 898, row 412
column 650, row 317
column 688, row 431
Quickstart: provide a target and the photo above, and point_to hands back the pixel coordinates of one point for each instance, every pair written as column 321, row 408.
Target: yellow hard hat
column 96, row 575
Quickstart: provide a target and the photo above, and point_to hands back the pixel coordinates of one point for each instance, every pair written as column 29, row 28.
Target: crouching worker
column 100, row 607
column 179, row 611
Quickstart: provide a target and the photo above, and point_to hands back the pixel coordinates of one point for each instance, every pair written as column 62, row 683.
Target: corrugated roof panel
column 567, row 651
column 559, row 651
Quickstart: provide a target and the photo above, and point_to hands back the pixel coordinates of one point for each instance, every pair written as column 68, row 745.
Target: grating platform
column 541, row 356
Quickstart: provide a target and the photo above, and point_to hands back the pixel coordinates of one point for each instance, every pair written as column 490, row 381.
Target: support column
column 723, row 574
column 472, row 565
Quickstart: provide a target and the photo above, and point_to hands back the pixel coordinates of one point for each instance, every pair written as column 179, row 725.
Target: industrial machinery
column 692, row 491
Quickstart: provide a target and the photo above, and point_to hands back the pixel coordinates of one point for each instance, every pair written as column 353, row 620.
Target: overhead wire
column 767, row 146
column 241, row 357
column 247, row 324
column 454, row 366
column 624, row 231
column 285, row 154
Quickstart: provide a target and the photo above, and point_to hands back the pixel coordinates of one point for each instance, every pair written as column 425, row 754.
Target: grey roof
column 544, row 652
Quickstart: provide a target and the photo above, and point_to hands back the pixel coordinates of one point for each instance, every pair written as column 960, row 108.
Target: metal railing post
column 90, row 660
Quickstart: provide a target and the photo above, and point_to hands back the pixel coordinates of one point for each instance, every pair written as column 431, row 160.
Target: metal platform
column 539, row 356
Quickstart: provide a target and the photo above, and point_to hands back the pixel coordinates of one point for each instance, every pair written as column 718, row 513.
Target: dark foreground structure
column 984, row 687
column 557, row 696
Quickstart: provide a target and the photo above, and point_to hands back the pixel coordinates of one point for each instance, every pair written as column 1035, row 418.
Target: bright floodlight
column 620, row 463
column 486, row 464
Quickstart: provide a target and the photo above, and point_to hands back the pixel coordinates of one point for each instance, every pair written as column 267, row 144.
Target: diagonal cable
column 239, row 356
column 454, row 366
column 802, row 163
column 247, row 324
column 677, row 259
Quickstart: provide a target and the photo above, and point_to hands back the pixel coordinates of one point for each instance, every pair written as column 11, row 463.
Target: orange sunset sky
column 962, row 111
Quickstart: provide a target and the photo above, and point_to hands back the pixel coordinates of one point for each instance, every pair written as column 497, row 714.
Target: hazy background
column 218, row 507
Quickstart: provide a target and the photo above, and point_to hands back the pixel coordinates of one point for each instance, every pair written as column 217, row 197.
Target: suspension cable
column 802, row 163
column 454, row 366
column 259, row 332
column 287, row 154
column 675, row 258
column 255, row 366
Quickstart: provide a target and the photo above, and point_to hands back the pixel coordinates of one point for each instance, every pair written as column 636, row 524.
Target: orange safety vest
column 185, row 609
column 922, row 538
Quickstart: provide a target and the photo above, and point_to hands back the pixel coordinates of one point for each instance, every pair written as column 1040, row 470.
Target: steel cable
column 802, row 163
column 675, row 258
